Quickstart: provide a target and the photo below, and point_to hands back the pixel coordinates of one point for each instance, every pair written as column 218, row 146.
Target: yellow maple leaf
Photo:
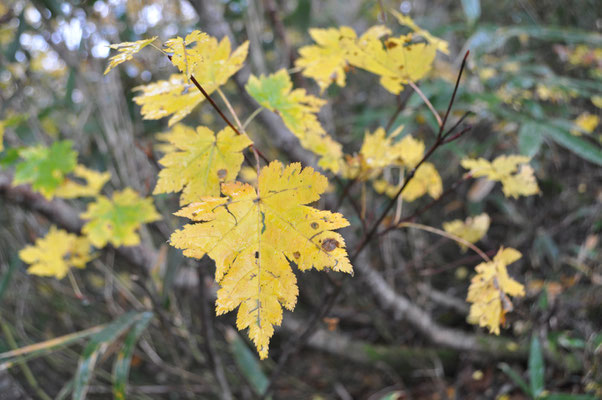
column 126, row 52
column 175, row 97
column 597, row 101
column 186, row 54
column 327, row 60
column 211, row 63
column 585, row 122
column 425, row 180
column 298, row 112
column 490, row 288
column 71, row 189
column 115, row 221
column 379, row 151
column 516, row 176
column 406, row 20
column 199, row 160
column 398, row 61
column 410, row 150
column 253, row 235
column 471, row 230
column 55, row 253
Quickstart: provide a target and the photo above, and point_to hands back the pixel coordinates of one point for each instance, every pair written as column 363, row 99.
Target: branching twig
column 454, row 338
column 426, row 101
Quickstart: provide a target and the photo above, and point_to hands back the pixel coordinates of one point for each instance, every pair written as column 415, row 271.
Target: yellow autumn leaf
column 471, row 230
column 489, row 290
column 298, row 112
column 175, row 97
column 199, row 160
column 126, row 52
column 211, row 62
column 516, row 176
column 327, row 60
column 425, row 180
column 378, row 150
column 406, row 20
column 115, row 221
column 71, row 189
column 185, row 56
column 55, row 253
column 212, row 65
column 410, row 150
column 253, row 235
column 585, row 122
column 597, row 101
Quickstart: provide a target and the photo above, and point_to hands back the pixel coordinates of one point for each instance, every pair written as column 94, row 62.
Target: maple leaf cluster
column 254, row 231
column 397, row 60
column 53, row 172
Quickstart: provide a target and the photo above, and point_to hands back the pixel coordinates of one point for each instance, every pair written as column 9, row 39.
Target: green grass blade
column 516, row 378
column 14, row 263
column 121, row 368
column 247, row 362
column 566, row 396
column 536, row 368
column 577, row 145
column 38, row 349
column 529, row 139
column 95, row 347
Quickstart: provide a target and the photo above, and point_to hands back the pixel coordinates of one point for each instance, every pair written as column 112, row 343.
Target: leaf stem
column 426, row 101
column 251, row 117
column 447, row 235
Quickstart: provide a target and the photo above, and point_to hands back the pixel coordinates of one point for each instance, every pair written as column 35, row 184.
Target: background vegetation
column 532, row 86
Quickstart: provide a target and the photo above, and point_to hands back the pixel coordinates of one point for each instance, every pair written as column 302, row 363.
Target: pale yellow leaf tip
column 126, row 52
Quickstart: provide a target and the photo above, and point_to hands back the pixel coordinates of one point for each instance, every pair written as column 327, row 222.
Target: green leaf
column 516, row 378
column 247, row 362
column 582, row 148
column 115, row 221
column 536, row 368
column 95, row 347
column 566, row 396
column 9, row 157
column 121, row 368
column 472, row 9
column 45, row 167
column 529, row 139
column 557, row 130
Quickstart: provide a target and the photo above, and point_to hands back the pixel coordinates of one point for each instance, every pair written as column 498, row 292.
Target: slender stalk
column 29, row 376
column 447, row 235
column 426, row 101
column 240, row 126
column 251, row 117
column 331, row 298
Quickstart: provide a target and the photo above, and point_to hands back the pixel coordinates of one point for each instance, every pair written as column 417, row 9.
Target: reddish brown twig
column 330, row 299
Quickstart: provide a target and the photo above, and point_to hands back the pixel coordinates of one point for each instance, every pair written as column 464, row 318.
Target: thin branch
column 426, row 101
column 456, row 337
column 453, row 98
column 251, row 117
column 447, row 235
